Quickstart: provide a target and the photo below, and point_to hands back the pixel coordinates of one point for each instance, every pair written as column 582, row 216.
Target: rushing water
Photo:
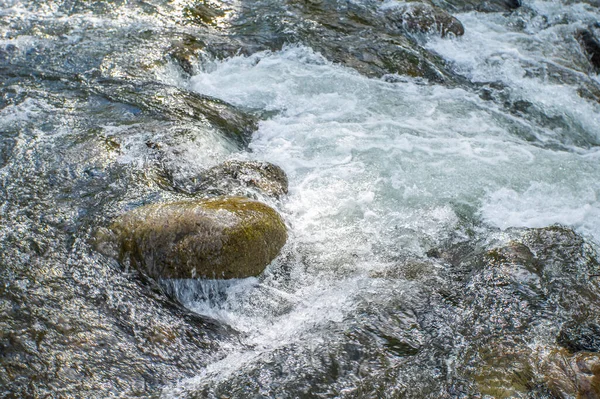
column 384, row 175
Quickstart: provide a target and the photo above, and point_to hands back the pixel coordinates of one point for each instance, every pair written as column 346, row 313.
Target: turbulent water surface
column 419, row 261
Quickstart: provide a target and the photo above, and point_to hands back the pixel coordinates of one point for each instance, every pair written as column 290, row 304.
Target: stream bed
column 443, row 211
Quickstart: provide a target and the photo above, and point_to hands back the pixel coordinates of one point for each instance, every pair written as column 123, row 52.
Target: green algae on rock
column 220, row 238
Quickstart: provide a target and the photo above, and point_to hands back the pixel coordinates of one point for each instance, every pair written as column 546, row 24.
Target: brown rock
column 222, row 238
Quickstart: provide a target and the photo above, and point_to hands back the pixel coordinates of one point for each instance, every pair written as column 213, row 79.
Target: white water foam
column 542, row 205
column 377, row 171
column 527, row 50
column 534, row 52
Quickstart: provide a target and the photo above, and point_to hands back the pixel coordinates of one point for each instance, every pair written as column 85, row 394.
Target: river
column 403, row 190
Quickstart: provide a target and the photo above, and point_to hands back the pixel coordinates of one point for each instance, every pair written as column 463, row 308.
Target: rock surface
column 178, row 105
column 217, row 238
column 424, row 18
column 478, row 5
column 591, row 45
column 356, row 35
column 239, row 178
column 572, row 376
column 578, row 337
column 543, row 279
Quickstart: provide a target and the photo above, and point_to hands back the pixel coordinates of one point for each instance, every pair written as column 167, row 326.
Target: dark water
column 424, row 174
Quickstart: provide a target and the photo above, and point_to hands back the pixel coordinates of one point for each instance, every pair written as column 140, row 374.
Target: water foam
column 534, row 53
column 377, row 171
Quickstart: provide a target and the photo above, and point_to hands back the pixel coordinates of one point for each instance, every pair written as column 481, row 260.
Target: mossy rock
column 220, row 238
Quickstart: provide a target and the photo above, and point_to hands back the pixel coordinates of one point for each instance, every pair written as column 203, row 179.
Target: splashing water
column 406, row 208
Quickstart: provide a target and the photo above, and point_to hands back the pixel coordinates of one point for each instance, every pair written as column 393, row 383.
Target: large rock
column 221, row 238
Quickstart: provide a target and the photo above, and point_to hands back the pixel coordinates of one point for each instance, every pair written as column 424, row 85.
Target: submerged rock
column 178, row 105
column 577, row 337
column 354, row 34
column 424, row 18
column 7, row 145
column 539, row 281
column 221, row 238
column 240, row 178
column 567, row 257
column 571, row 376
column 478, row 5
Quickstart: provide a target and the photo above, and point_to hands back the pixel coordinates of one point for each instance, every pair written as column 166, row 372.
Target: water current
column 399, row 187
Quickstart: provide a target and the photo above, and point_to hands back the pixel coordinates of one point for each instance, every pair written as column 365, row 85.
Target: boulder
column 219, row 238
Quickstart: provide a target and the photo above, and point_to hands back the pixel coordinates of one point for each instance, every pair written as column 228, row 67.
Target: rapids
column 401, row 189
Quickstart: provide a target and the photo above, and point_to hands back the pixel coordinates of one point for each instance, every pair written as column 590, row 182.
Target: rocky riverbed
column 299, row 198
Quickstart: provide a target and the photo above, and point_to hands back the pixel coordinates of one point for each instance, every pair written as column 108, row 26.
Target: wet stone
column 356, row 35
column 202, row 13
column 424, row 18
column 6, row 149
column 513, row 253
column 219, row 238
column 240, row 178
column 571, row 376
column 504, row 369
column 186, row 52
column 178, row 105
column 563, row 252
column 591, row 46
column 478, row 5
column 576, row 337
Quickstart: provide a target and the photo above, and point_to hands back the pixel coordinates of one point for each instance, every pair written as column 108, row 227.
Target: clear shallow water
column 381, row 174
